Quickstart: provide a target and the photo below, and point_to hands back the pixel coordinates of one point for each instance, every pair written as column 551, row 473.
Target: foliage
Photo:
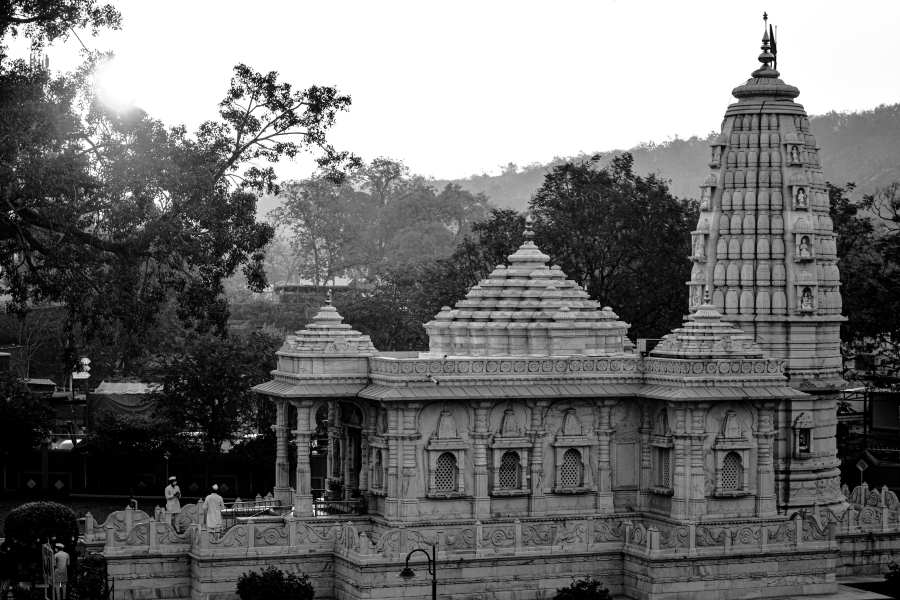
column 583, row 589
column 113, row 214
column 624, row 237
column 34, row 523
column 135, row 436
column 376, row 221
column 24, row 419
column 868, row 248
column 91, row 583
column 206, row 386
column 43, row 21
column 272, row 583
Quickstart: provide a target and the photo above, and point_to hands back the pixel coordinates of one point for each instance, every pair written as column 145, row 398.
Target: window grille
column 445, row 473
column 570, row 473
column 509, row 477
column 732, row 472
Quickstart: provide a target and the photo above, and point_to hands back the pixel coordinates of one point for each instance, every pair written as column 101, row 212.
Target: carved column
column 302, row 435
column 282, row 462
column 334, row 452
column 537, row 501
column 479, row 459
column 394, row 460
column 681, row 460
column 604, row 467
column 698, row 433
column 765, row 469
column 645, row 478
column 410, row 474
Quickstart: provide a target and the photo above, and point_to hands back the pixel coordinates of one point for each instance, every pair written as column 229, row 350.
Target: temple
column 533, row 443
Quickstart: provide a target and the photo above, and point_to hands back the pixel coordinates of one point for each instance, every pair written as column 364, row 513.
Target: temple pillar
column 410, row 475
column 302, row 434
column 394, row 460
column 604, row 501
column 697, row 460
column 537, row 501
column 480, row 437
column 766, row 505
column 681, row 461
column 282, row 462
column 645, row 477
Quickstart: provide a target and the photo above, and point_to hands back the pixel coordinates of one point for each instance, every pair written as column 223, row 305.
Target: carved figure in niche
column 795, row 154
column 698, row 247
column 806, row 300
column 696, row 296
column 805, row 247
column 704, row 198
column 802, row 201
column 716, row 154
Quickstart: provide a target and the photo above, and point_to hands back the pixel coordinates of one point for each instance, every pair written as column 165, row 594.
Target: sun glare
column 117, row 84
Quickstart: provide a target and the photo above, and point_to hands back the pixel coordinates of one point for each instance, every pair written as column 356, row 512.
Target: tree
column 113, row 214
column 272, row 583
column 328, row 223
column 206, row 387
column 868, row 248
column 625, row 238
column 24, row 420
column 583, row 589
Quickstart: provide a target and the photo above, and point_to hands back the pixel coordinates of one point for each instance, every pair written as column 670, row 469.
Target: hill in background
column 861, row 147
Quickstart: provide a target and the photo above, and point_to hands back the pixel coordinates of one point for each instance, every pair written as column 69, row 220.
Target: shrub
column 273, row 583
column 892, row 578
column 34, row 523
column 583, row 589
column 91, row 583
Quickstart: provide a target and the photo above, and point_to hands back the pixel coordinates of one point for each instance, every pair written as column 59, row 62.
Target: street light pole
column 408, row 573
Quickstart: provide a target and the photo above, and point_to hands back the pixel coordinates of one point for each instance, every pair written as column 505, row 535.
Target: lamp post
column 408, row 573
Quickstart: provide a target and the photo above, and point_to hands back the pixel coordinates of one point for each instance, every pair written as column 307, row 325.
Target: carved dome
column 706, row 335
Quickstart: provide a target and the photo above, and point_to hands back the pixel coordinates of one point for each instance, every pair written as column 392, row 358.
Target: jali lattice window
column 732, row 472
column 509, row 477
column 445, row 474
column 664, row 467
column 571, row 472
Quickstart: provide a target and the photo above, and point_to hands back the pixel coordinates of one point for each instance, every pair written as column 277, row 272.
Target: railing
column 322, row 507
column 249, row 509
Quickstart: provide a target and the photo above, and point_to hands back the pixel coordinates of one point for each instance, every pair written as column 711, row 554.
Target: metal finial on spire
column 328, row 297
column 706, row 297
column 529, row 227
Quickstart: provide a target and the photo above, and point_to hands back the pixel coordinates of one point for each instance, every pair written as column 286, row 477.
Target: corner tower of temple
column 765, row 247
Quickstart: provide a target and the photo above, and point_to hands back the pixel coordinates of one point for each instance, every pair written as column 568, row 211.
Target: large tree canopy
column 624, row 237
column 114, row 214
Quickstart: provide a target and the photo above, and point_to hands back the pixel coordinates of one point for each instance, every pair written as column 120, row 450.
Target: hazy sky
column 458, row 88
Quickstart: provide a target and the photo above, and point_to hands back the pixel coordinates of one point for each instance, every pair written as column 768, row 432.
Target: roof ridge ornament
column 767, row 56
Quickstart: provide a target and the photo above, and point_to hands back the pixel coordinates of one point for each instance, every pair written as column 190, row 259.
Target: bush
column 274, row 584
column 892, row 578
column 583, row 589
column 91, row 583
column 35, row 523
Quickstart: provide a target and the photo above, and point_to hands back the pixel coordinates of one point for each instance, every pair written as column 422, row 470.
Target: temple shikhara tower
column 533, row 444
column 765, row 247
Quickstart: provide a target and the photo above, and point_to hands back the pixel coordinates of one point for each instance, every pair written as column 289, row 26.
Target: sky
column 459, row 88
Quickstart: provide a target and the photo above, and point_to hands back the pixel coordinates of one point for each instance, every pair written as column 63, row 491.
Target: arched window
column 571, row 473
column 445, row 474
column 378, row 473
column 732, row 472
column 509, row 476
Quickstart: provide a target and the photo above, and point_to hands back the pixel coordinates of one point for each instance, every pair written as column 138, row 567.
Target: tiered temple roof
column 526, row 309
